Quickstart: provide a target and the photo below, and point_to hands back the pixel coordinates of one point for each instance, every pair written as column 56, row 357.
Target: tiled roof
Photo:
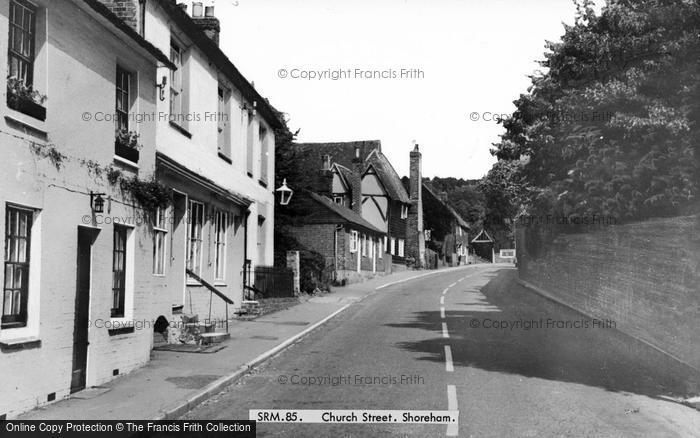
column 340, row 152
column 343, row 153
column 462, row 223
column 345, row 214
column 388, row 176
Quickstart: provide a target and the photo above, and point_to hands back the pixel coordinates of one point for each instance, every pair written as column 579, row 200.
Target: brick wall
column 124, row 9
column 318, row 237
column 645, row 276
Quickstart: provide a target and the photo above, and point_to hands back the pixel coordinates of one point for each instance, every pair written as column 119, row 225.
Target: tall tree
column 612, row 126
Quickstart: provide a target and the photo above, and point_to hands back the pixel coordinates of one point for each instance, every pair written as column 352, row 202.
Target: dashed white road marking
column 448, row 359
column 445, row 290
column 452, row 285
column 445, row 334
column 452, row 428
column 442, row 300
column 442, row 312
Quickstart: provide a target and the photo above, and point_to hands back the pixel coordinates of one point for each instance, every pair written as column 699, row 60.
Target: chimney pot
column 197, row 9
column 209, row 11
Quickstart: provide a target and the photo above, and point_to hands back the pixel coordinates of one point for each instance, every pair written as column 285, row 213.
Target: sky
column 463, row 61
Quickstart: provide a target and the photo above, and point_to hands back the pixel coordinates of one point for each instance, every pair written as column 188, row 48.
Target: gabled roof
column 220, row 60
column 340, row 152
column 340, row 213
column 344, row 172
column 462, row 223
column 343, row 153
column 479, row 239
column 388, row 176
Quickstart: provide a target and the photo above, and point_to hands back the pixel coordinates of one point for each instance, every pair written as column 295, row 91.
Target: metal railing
column 212, row 291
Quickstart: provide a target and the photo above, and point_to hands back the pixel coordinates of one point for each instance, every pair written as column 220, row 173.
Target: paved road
column 526, row 380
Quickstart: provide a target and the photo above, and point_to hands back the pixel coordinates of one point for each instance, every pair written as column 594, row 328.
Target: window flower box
column 24, row 99
column 126, row 145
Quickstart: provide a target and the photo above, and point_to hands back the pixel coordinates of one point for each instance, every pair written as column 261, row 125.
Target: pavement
column 172, row 383
column 472, row 340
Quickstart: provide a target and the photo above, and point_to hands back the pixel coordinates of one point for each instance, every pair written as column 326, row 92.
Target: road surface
column 512, row 363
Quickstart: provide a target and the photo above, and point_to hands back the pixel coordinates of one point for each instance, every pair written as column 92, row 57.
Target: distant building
column 447, row 233
column 359, row 179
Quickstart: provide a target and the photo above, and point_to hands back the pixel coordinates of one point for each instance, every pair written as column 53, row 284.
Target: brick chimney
column 127, row 10
column 356, row 182
column 325, row 177
column 415, row 238
column 207, row 22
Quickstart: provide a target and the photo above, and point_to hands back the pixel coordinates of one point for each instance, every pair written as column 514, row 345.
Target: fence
column 273, row 282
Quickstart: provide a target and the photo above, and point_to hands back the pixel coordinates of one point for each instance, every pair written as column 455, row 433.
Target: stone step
column 214, row 337
column 202, row 326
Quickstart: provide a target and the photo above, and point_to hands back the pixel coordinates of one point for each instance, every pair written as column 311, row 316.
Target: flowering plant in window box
column 23, row 98
column 126, row 145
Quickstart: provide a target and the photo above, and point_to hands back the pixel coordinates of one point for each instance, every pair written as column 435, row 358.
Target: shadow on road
column 594, row 356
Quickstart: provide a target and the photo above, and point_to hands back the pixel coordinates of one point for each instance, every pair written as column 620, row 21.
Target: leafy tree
column 612, row 127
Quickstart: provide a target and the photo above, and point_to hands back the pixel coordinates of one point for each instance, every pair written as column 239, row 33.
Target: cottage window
column 380, row 248
column 123, row 103
column 20, row 57
column 159, row 233
column 339, row 200
column 18, row 226
column 392, row 248
column 118, row 271
column 176, row 82
column 195, row 218
column 250, row 133
column 221, row 227
column 354, row 236
column 404, row 211
column 224, row 122
column 364, row 245
column 402, row 244
column 264, row 158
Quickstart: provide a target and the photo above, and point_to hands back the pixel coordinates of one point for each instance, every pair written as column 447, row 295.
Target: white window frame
column 160, row 234
column 220, row 240
column 31, row 328
column 340, row 200
column 176, row 81
column 354, row 237
column 129, row 267
column 393, row 246
column 190, row 225
column 404, row 211
column 402, row 247
column 223, row 120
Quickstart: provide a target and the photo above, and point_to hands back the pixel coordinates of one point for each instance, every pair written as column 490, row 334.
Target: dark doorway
column 86, row 237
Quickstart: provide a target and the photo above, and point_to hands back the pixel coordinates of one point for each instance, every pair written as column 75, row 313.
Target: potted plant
column 23, row 98
column 126, row 145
